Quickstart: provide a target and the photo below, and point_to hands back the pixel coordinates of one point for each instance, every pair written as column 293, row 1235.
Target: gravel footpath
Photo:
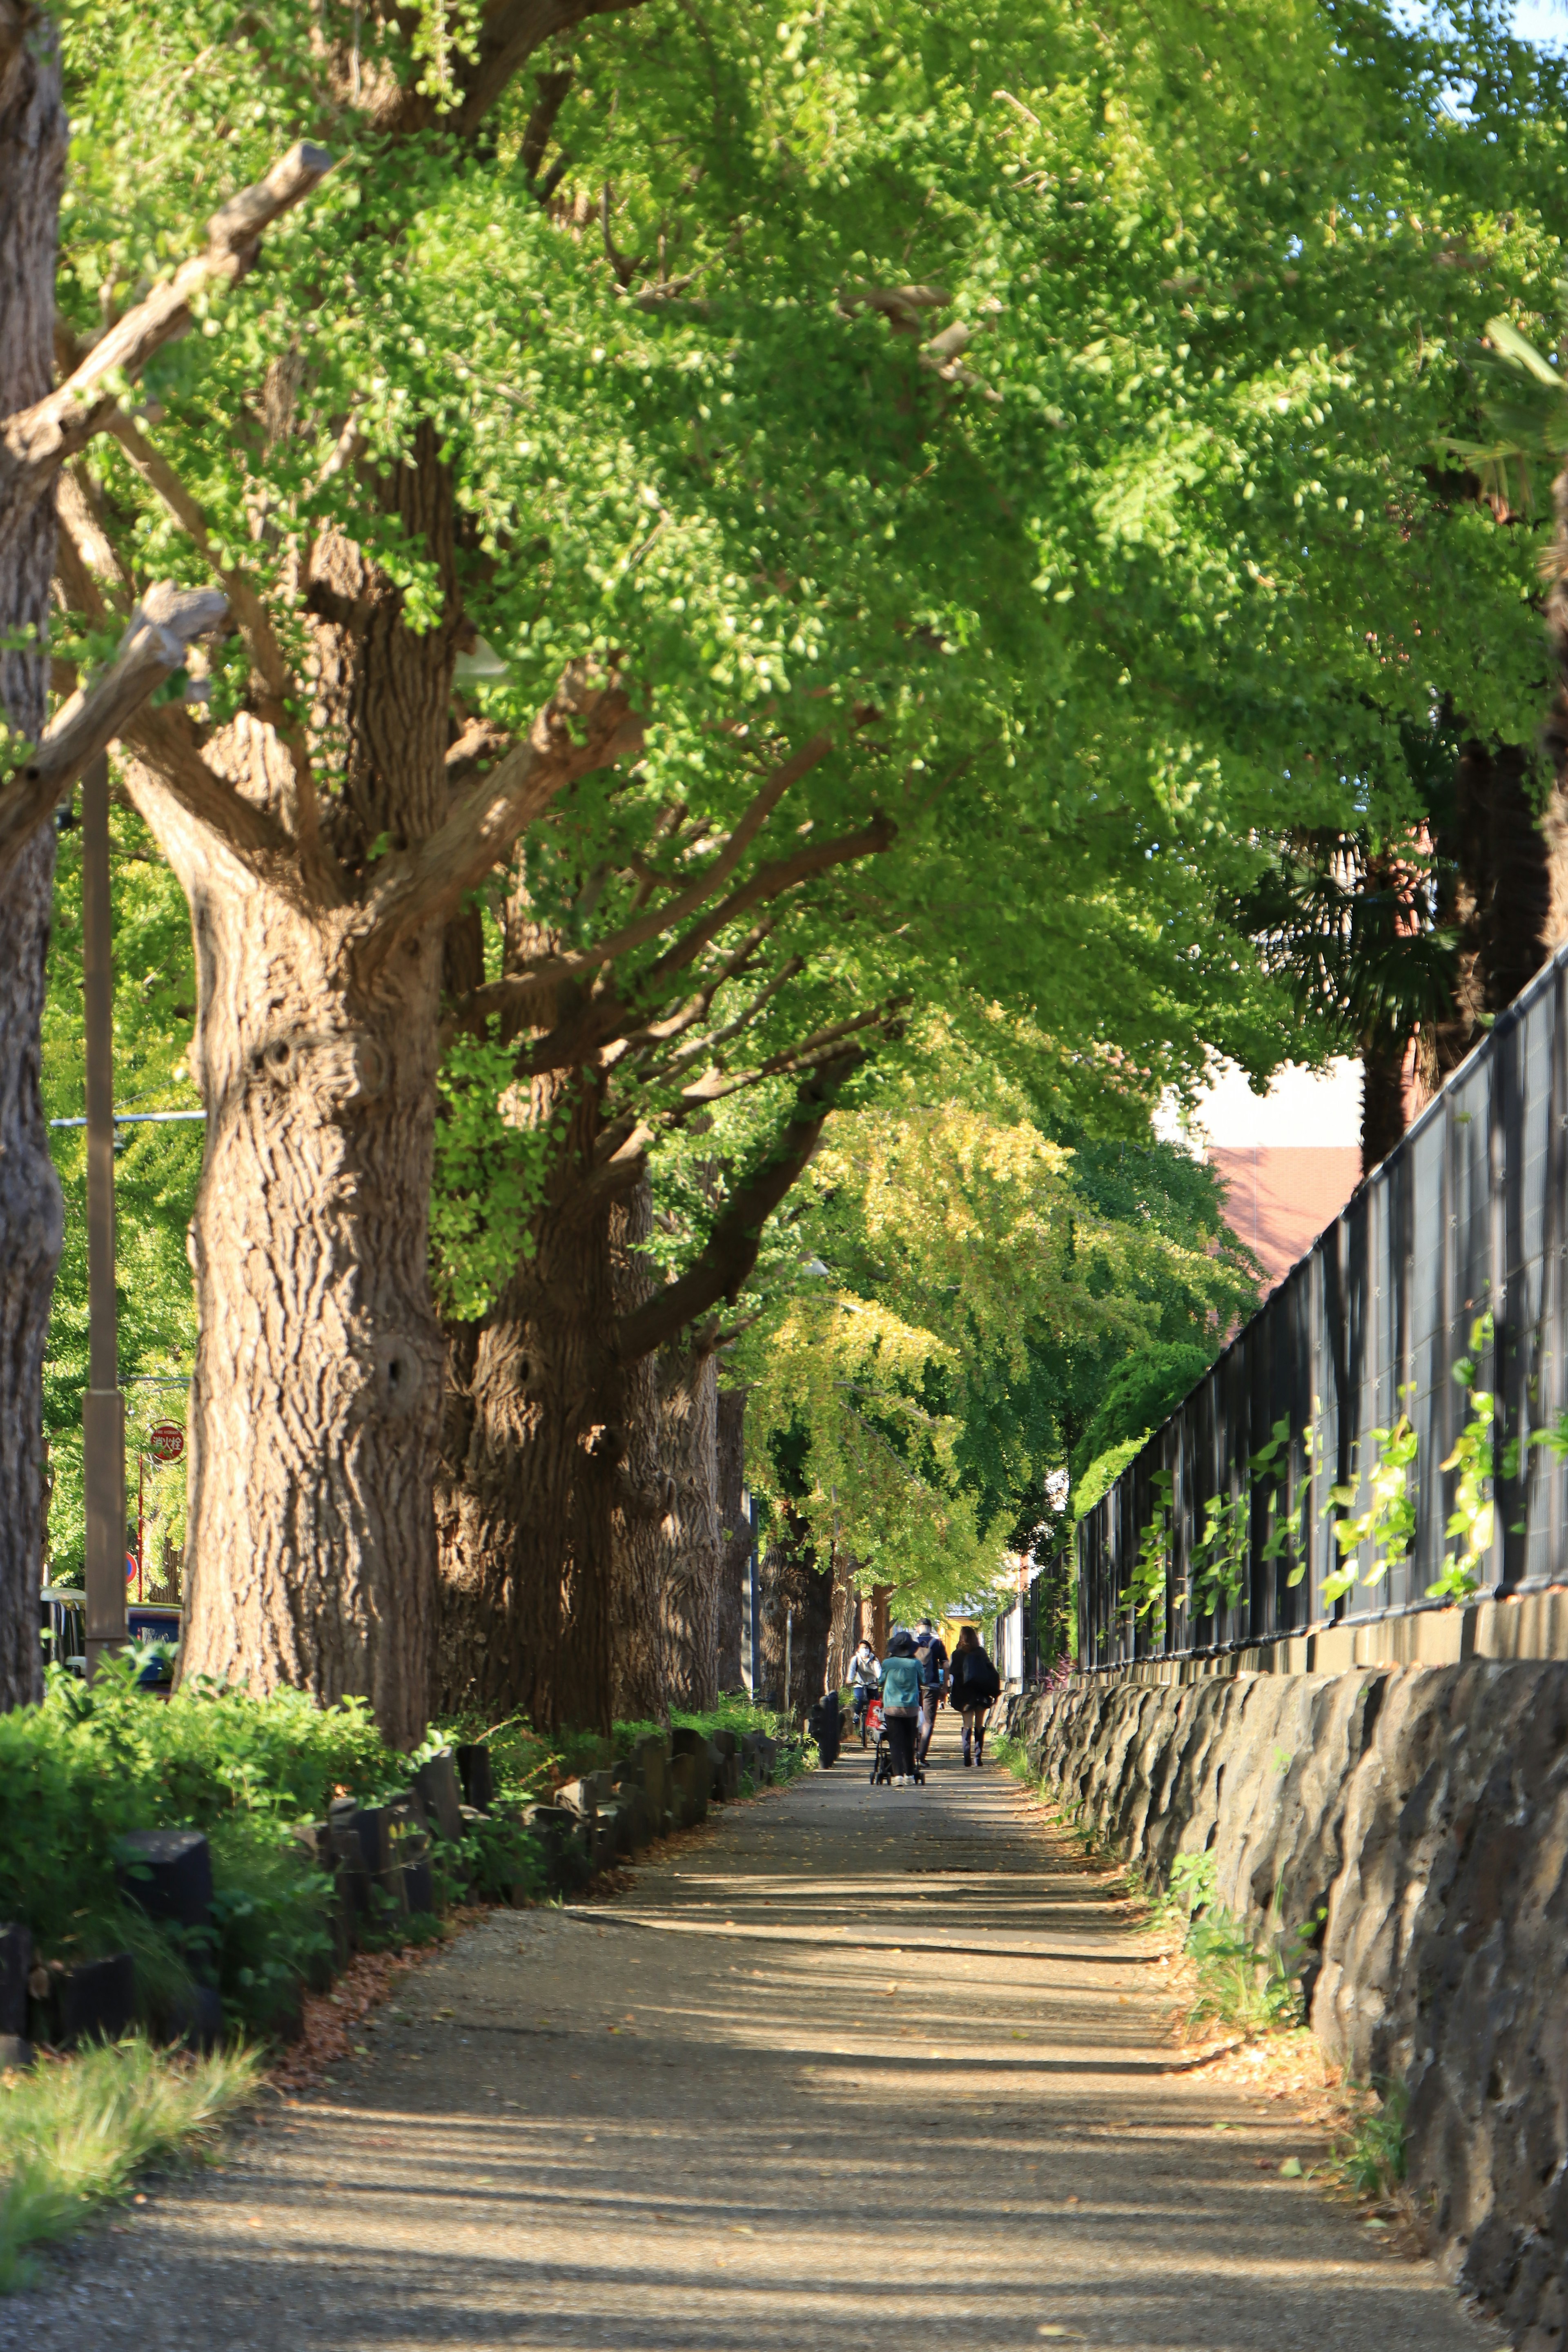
column 872, row 2069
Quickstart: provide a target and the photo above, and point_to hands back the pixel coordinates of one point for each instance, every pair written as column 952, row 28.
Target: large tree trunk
column 1382, row 1101
column 310, row 1556
column 310, row 1545
column 1510, row 900
column 689, row 1397
column 797, row 1615
column 533, row 1471
column 33, row 134
column 642, row 1523
column 735, row 1535
column 544, row 1464
column 845, row 1631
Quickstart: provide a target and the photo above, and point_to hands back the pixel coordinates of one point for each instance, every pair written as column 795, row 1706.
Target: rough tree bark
column 33, row 137
column 641, row 1681
column 1508, row 903
column 734, row 1535
column 845, row 1631
column 311, row 1557
column 797, row 1595
column 1382, row 1101
column 693, row 1548
column 544, row 1464
column 530, row 1480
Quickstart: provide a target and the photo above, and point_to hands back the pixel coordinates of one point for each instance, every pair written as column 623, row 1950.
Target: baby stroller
column 882, row 1758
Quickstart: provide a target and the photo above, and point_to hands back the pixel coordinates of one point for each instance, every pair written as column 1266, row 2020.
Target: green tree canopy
column 961, row 478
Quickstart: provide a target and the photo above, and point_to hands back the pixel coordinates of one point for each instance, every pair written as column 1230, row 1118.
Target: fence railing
column 1438, row 1294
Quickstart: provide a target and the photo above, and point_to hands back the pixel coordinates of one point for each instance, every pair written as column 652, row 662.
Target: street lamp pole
column 103, row 1407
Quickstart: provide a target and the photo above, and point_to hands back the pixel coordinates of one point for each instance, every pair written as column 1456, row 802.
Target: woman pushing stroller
column 902, row 1705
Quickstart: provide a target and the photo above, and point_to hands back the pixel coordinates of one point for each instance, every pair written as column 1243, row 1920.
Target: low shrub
column 75, row 2131
column 89, row 1765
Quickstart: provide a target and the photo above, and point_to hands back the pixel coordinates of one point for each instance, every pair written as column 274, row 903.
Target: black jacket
column 976, row 1681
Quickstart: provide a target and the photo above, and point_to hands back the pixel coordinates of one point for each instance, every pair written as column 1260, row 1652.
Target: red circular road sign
column 166, row 1442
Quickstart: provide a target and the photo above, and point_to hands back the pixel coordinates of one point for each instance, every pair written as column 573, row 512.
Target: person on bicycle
column 975, row 1688
column 900, row 1704
column 865, row 1676
column 931, row 1651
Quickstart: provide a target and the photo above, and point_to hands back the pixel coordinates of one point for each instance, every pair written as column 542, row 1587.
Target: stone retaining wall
column 1424, row 1810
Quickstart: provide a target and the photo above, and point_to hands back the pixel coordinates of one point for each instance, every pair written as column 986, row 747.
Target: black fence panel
column 1443, row 1285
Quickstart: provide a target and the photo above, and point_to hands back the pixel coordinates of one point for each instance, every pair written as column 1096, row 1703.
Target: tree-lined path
column 862, row 2068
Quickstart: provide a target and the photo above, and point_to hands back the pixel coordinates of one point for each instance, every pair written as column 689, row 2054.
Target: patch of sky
column 1542, row 21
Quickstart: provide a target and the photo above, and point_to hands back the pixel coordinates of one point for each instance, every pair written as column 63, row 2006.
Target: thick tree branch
column 606, row 1019
column 475, row 750
column 697, row 1006
column 730, row 1251
column 164, row 738
column 553, row 89
column 811, row 1054
column 252, row 616
column 513, row 993
column 510, row 33
column 587, row 723
column 155, row 646
column 606, row 1014
column 269, row 668
column 35, row 442
column 711, row 1044
column 770, row 882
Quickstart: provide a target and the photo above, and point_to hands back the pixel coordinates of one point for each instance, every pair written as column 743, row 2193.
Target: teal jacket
column 901, row 1683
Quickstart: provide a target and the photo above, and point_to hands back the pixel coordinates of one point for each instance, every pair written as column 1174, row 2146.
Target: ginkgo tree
column 944, row 1254
column 527, row 1505
column 987, row 445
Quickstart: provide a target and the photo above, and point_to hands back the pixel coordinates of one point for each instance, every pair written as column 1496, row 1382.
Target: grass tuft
column 1371, row 2160
column 75, row 2131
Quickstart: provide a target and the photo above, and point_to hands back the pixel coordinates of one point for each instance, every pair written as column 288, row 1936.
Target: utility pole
column 103, row 1407
column 752, row 1630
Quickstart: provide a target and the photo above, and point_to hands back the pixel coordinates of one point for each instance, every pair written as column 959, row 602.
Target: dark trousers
column 901, row 1741
column 928, row 1723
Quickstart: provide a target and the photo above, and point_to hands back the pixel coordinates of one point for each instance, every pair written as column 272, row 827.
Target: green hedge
column 78, row 1771
column 86, row 1766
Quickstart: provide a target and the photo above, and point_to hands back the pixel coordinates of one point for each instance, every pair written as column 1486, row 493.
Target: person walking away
column 927, row 1635
column 901, row 1704
column 864, row 1676
column 976, row 1686
column 930, row 1656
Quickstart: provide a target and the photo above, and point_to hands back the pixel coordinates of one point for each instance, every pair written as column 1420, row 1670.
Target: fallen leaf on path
column 1291, row 2169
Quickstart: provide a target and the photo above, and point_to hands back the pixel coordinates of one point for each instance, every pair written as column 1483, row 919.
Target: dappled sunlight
column 779, row 2093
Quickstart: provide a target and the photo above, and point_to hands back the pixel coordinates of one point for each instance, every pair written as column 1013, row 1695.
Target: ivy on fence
column 1144, row 1592
column 1388, row 1522
column 1472, row 1516
column 1385, row 1527
column 1222, row 1554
